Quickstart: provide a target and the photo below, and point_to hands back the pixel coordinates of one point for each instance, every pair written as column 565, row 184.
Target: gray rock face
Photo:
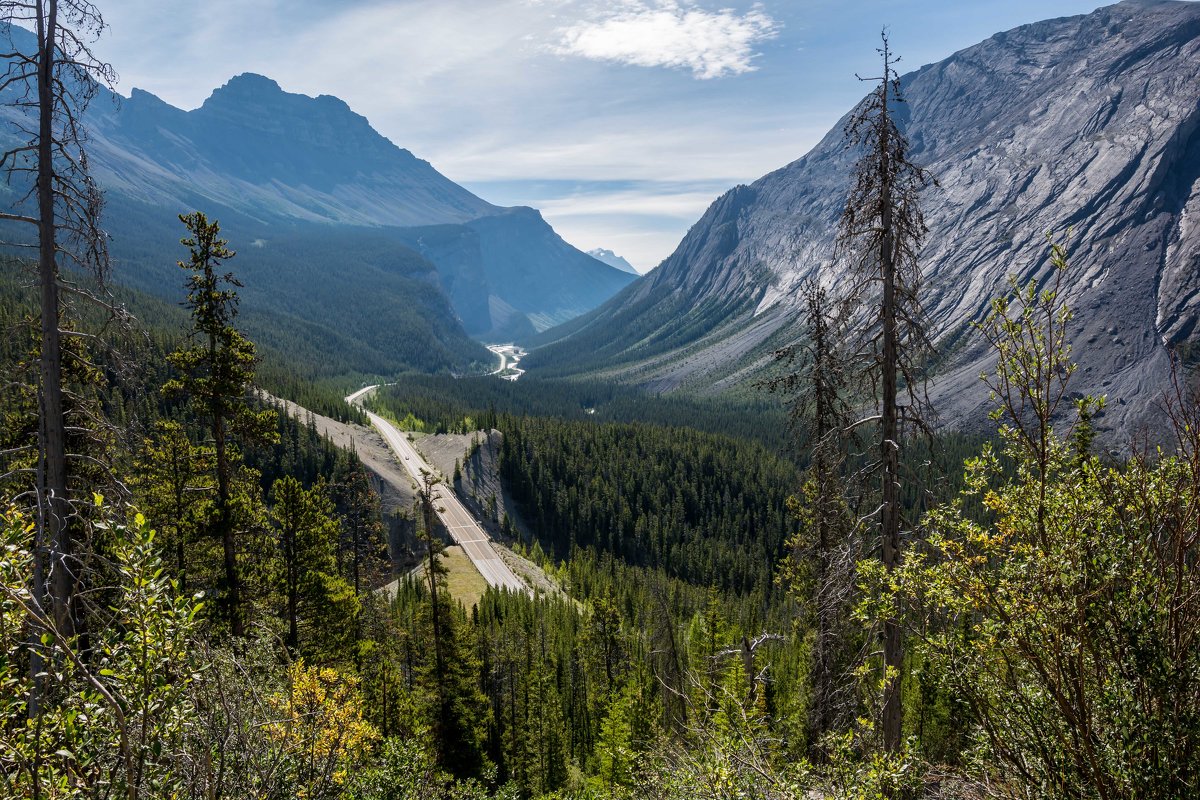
column 1088, row 123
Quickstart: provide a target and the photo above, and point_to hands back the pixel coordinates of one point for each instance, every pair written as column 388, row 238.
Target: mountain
column 308, row 180
column 1088, row 123
column 285, row 159
column 613, row 260
column 269, row 154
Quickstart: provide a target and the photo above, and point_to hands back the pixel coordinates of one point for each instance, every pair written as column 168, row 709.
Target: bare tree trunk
column 58, row 534
column 893, row 656
column 883, row 211
column 225, row 527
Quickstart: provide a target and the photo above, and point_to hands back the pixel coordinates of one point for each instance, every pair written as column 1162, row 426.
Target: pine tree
column 308, row 533
column 215, row 372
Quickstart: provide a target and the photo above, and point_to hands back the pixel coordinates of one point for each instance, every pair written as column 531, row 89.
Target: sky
column 621, row 120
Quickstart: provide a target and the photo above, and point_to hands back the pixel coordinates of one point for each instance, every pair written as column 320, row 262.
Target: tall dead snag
column 820, row 569
column 881, row 233
column 53, row 74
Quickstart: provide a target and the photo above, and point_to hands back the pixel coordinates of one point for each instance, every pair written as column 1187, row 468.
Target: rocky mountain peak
column 254, row 105
column 1088, row 123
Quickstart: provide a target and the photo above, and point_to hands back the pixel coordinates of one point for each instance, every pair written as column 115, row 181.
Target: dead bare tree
column 52, row 74
column 881, row 233
column 820, row 568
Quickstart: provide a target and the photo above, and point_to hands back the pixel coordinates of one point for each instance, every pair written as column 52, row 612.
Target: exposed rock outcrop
column 1088, row 123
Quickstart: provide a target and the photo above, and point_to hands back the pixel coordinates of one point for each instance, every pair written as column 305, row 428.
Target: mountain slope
column 1089, row 122
column 269, row 154
column 284, row 159
column 271, row 165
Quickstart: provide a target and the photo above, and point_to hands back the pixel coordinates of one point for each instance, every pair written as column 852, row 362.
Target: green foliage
column 173, row 479
column 408, row 769
column 705, row 508
column 315, row 597
column 456, row 709
column 442, row 404
column 112, row 717
column 325, row 303
column 1066, row 618
column 216, row 371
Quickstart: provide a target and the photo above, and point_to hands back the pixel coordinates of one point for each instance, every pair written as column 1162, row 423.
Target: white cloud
column 667, row 33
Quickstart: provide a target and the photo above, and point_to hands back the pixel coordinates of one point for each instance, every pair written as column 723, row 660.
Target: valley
column 510, row 356
column 339, row 472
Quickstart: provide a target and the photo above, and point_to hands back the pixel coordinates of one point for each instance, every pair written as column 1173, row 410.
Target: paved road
column 462, row 526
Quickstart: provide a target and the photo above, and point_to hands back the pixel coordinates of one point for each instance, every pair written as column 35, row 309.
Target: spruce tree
column 308, row 532
column 216, row 369
column 174, row 482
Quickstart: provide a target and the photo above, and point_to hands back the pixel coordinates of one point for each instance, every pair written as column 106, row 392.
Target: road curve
column 463, row 528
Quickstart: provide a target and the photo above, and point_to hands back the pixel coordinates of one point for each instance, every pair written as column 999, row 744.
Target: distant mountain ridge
column 270, row 154
column 1090, row 123
column 613, row 260
column 278, row 158
column 278, row 168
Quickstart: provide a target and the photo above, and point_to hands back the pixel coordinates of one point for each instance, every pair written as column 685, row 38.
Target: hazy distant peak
column 613, row 260
column 145, row 101
column 143, row 96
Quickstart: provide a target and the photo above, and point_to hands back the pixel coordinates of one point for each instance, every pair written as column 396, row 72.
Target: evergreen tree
column 215, row 373
column 363, row 523
column 174, row 484
column 308, row 533
column 458, row 708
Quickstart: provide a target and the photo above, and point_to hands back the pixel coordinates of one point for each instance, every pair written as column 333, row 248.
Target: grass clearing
column 465, row 583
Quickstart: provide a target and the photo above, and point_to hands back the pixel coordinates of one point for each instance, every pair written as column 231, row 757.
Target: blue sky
column 620, row 119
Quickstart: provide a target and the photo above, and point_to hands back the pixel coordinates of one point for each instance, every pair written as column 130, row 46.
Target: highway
column 463, row 528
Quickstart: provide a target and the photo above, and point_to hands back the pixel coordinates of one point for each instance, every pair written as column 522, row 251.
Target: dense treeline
column 441, row 404
column 144, row 328
column 709, row 509
column 578, row 690
column 401, row 320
